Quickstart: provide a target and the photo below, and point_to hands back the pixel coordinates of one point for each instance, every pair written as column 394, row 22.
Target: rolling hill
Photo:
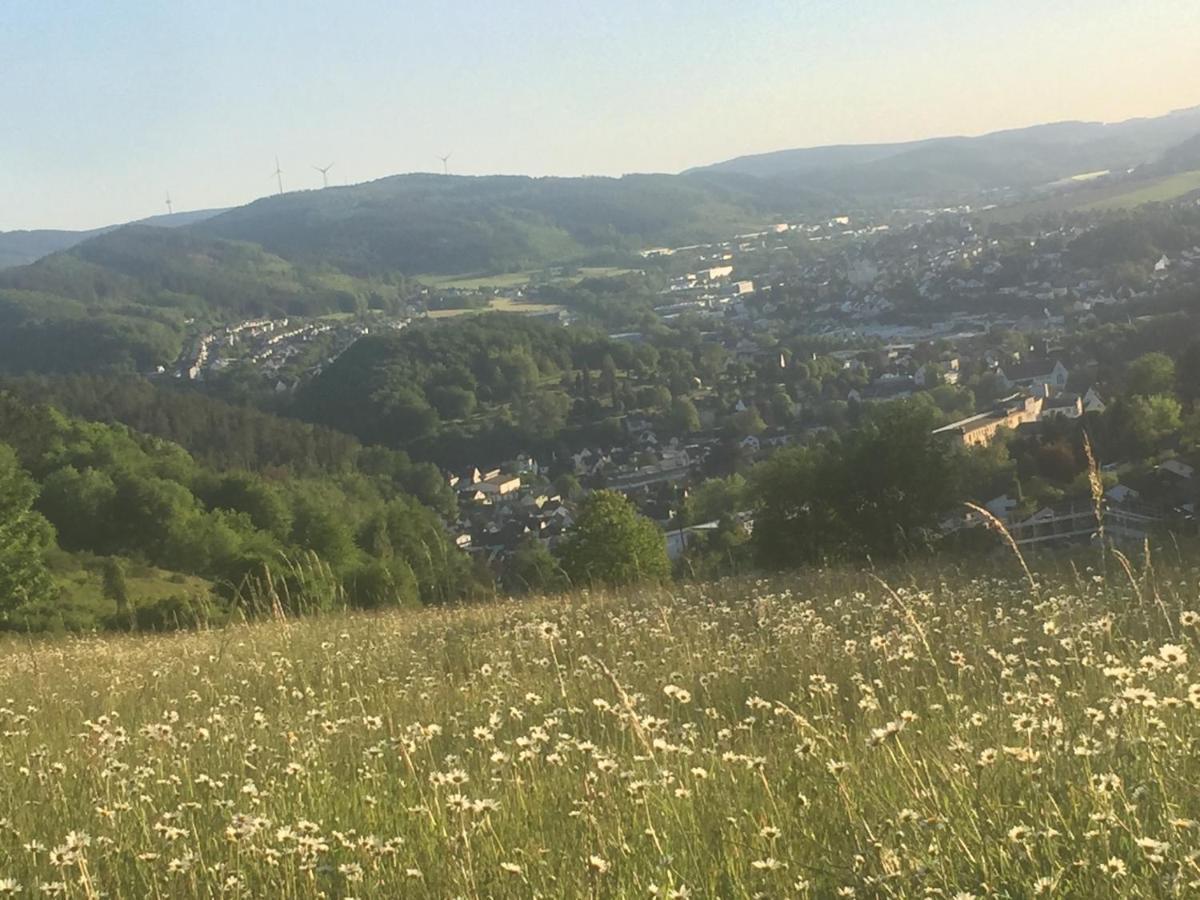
column 951, row 167
column 445, row 225
column 122, row 300
column 19, row 248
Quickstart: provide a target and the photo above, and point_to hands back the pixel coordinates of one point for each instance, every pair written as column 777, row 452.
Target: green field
column 157, row 598
column 508, row 280
column 1157, row 191
column 931, row 734
column 1101, row 197
column 497, row 304
column 477, row 282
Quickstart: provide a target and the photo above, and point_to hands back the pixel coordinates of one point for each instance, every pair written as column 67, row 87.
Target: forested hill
column 19, row 248
column 180, row 269
column 944, row 167
column 120, row 300
column 104, row 490
column 438, row 224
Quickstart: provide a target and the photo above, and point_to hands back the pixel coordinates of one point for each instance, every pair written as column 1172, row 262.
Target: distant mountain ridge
column 439, row 224
column 19, row 248
column 423, row 224
column 1022, row 157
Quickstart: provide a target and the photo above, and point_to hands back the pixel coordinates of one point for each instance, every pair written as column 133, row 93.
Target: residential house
column 678, row 540
column 1121, row 493
column 1177, row 469
column 1038, row 375
column 1064, row 405
column 1001, row 507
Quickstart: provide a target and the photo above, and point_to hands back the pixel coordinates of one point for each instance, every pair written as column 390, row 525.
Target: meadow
column 503, row 280
column 1101, row 197
column 922, row 732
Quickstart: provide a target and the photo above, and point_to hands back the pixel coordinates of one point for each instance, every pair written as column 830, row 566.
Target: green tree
column 1150, row 421
column 248, row 493
column 748, row 422
column 1187, row 373
column 115, row 588
column 324, row 532
column 683, row 418
column 452, row 401
column 533, row 569
column 612, row 544
column 878, row 493
column 568, row 486
column 714, row 498
column 1151, row 373
column 25, row 536
column 381, row 584
column 543, row 415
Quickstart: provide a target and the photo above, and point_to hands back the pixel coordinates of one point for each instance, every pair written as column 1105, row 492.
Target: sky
column 106, row 106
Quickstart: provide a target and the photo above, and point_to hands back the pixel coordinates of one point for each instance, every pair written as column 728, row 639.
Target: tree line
column 112, row 492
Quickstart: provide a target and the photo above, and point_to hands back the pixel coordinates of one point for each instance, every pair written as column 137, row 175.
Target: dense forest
column 121, row 300
column 430, row 224
column 488, row 387
column 108, row 491
column 224, row 435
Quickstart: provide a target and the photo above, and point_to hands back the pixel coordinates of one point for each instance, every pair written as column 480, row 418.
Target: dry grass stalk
column 994, row 524
column 1096, row 483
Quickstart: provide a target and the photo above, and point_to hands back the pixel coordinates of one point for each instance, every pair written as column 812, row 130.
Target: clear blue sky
column 109, row 104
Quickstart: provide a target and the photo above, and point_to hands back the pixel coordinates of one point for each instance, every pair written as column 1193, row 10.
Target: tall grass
column 914, row 733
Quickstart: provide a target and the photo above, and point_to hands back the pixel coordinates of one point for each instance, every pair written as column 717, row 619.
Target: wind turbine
column 278, row 173
column 170, row 208
column 445, row 163
column 324, row 173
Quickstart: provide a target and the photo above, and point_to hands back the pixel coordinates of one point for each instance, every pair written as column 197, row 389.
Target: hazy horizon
column 112, row 106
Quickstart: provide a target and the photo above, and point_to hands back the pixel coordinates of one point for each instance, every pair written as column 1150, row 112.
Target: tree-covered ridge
column 947, row 167
column 446, row 224
column 399, row 389
column 224, row 435
column 199, row 275
column 114, row 492
column 121, row 301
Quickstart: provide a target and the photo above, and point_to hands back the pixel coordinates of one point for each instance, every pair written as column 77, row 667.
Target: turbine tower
column 324, row 173
column 278, row 173
column 445, row 163
column 170, row 208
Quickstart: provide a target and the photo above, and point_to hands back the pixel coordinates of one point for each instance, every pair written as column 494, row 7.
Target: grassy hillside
column 953, row 737
column 439, row 225
column 1105, row 196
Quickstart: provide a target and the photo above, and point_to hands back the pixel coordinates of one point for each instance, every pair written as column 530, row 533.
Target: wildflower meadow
column 920, row 733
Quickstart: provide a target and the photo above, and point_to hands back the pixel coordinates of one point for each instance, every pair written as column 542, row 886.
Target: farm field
column 508, row 280
column 1101, row 197
column 497, row 304
column 1157, row 191
column 929, row 733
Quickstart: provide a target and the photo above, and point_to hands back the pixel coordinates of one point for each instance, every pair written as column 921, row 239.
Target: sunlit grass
column 927, row 734
column 1118, row 196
